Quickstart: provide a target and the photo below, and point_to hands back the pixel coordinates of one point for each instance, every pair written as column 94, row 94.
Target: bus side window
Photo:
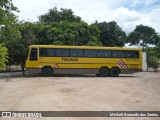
column 93, row 53
column 43, row 52
column 114, row 54
column 62, row 52
column 107, row 53
column 73, row 53
column 90, row 53
column 79, row 53
column 33, row 54
column 118, row 54
column 104, row 53
column 136, row 54
column 76, row 53
column 132, row 54
column 87, row 53
column 101, row 53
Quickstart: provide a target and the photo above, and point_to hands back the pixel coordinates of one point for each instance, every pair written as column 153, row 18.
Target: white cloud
column 129, row 19
column 126, row 18
column 155, row 15
column 152, row 19
column 30, row 9
column 89, row 10
column 124, row 15
column 101, row 10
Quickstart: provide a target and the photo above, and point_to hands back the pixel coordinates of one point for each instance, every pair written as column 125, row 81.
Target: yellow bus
column 102, row 61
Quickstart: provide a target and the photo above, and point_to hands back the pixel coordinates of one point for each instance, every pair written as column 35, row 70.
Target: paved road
column 133, row 92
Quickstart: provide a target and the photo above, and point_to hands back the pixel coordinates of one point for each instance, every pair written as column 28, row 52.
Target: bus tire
column 103, row 72
column 114, row 72
column 47, row 71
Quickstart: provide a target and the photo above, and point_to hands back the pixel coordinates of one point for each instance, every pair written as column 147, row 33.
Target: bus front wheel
column 103, row 72
column 114, row 72
column 47, row 71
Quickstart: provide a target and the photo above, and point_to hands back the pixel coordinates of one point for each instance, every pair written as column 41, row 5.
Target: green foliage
column 17, row 41
column 9, row 36
column 111, row 34
column 3, row 56
column 143, row 36
column 8, row 21
column 58, row 16
column 9, row 32
column 57, row 43
column 94, row 44
column 7, row 5
column 153, row 62
column 6, row 15
column 157, row 40
column 66, row 33
column 153, row 57
column 27, row 38
column 153, row 51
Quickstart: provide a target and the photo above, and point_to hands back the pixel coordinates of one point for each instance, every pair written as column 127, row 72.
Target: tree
column 21, row 46
column 153, row 62
column 6, row 15
column 3, row 56
column 17, row 42
column 64, row 28
column 142, row 36
column 66, row 33
column 157, row 40
column 111, row 34
column 153, row 57
column 58, row 16
column 9, row 36
column 8, row 22
column 90, row 43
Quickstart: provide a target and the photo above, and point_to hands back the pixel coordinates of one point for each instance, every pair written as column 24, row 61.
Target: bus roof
column 83, row 47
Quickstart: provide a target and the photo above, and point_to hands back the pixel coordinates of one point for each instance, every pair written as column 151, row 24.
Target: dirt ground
column 132, row 92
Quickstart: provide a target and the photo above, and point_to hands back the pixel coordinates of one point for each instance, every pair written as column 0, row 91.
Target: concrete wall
column 144, row 61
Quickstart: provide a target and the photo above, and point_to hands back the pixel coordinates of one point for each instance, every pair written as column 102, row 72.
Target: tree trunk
column 9, row 67
column 23, row 70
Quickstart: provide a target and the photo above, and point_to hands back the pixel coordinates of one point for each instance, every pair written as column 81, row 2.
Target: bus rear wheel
column 47, row 71
column 114, row 72
column 103, row 72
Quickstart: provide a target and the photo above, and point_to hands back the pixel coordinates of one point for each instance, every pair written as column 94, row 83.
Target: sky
column 127, row 13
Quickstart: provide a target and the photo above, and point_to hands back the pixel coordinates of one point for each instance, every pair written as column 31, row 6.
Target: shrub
column 153, row 62
column 3, row 56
